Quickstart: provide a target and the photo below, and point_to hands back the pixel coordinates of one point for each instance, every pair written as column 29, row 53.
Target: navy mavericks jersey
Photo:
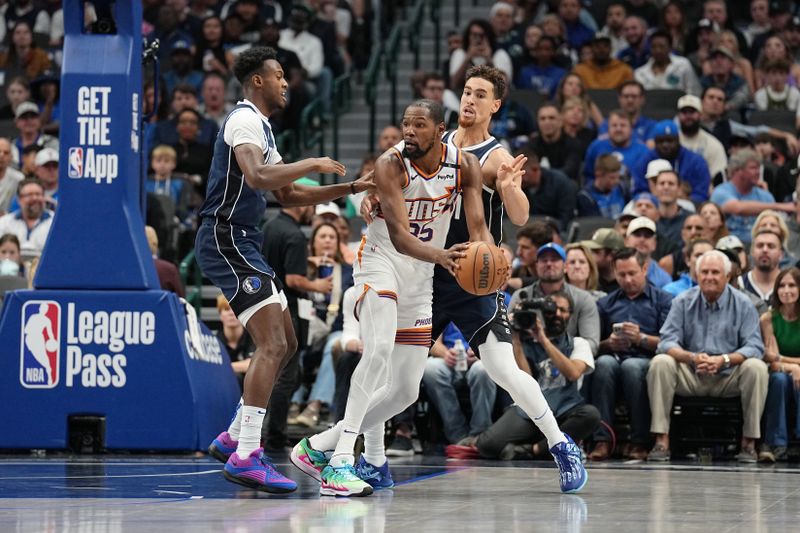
column 229, row 198
column 492, row 204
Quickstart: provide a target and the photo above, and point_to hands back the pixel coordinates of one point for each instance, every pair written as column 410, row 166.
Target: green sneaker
column 343, row 481
column 308, row 459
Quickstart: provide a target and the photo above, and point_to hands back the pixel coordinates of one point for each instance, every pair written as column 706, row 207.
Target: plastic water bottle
column 461, row 356
column 325, row 270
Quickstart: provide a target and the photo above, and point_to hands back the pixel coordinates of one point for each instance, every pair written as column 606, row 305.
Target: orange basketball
column 483, row 271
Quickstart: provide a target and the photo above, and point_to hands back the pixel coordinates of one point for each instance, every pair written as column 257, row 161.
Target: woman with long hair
column 715, row 221
column 674, row 23
column 23, row 56
column 479, row 48
column 780, row 329
column 17, row 91
column 575, row 113
column 211, row 54
column 775, row 48
column 571, row 86
column 581, row 269
column 325, row 260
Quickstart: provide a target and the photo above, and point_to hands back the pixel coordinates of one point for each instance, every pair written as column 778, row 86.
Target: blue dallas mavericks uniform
column 474, row 315
column 228, row 244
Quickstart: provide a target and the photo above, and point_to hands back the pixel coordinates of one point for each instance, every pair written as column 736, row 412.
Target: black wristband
column 353, row 188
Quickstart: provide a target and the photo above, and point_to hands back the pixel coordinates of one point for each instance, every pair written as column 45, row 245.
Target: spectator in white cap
column 327, row 212
column 641, row 235
column 9, row 177
column 698, row 140
column 734, row 244
column 29, row 124
column 665, row 70
column 509, row 38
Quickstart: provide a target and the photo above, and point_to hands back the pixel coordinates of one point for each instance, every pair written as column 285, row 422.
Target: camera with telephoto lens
column 529, row 309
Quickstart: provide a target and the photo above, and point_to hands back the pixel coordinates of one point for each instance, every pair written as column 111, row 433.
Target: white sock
column 236, row 422
column 325, row 441
column 250, row 433
column 374, row 446
column 498, row 360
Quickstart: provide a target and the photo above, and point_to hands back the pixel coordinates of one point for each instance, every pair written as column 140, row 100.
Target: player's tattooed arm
column 472, row 193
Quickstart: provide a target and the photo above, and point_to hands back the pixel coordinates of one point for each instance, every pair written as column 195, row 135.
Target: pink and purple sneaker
column 222, row 447
column 257, row 472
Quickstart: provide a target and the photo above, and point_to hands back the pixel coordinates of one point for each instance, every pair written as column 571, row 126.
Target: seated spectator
column 710, row 346
column 760, row 20
column 18, row 91
column 631, row 98
column 614, row 28
column 45, row 90
column 670, row 214
column 327, row 266
column 686, row 280
column 168, row 274
column 211, row 55
column 575, row 113
column 434, row 88
column 512, row 123
column 555, row 150
column 675, row 22
column 715, row 221
column 29, row 124
column 706, row 37
column 602, row 71
column 9, row 177
column 549, row 192
column 732, row 244
column 581, row 269
column 578, row 32
column 10, row 256
column 31, row 222
column 737, row 92
column 572, row 86
column 693, row 228
column 501, row 18
column 529, row 239
column 166, row 131
column 181, row 71
column 620, row 143
column 641, row 235
column 214, row 106
column 550, row 270
column 782, row 352
column 692, row 168
column 767, row 251
column 638, row 51
column 605, row 196
column 740, row 199
column 772, row 221
column 557, row 360
column 441, row 379
column 193, row 156
column 698, row 140
column 741, row 65
column 604, row 244
column 776, row 49
column 168, row 32
column 776, row 92
column 541, row 76
column 479, row 48
column 630, row 319
column 163, row 159
column 235, row 339
column 23, row 56
column 664, row 69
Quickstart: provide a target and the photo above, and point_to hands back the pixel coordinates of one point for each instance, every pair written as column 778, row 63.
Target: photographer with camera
column 558, row 360
column 630, row 319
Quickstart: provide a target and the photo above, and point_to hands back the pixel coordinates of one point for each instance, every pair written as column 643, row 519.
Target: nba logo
column 40, row 346
column 75, row 166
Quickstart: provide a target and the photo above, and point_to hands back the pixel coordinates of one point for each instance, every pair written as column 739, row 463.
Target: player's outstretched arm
column 508, row 184
column 272, row 177
column 472, row 193
column 389, row 180
column 294, row 195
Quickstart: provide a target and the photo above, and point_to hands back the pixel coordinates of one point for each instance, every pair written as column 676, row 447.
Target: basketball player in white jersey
column 482, row 319
column 418, row 181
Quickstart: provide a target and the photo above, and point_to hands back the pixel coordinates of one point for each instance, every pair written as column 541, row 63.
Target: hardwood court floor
column 154, row 494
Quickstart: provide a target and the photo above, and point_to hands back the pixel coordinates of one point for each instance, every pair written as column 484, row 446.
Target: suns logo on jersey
column 40, row 347
column 427, row 209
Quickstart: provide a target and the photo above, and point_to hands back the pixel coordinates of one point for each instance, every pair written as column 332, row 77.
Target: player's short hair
column 251, row 61
column 164, row 150
column 435, row 109
column 492, row 75
column 607, row 163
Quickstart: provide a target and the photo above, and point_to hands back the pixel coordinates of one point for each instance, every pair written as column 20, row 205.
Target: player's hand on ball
column 449, row 258
column 326, row 165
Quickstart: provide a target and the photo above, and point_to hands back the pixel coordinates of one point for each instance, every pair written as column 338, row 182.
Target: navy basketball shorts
column 230, row 256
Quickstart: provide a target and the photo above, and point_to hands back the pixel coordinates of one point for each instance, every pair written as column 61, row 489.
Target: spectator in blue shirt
column 631, row 97
column 691, row 167
column 740, row 199
column 605, row 196
column 182, row 72
column 577, row 32
column 687, row 280
column 641, row 235
column 542, row 76
column 710, row 346
column 619, row 143
column 737, row 92
column 630, row 320
column 638, row 51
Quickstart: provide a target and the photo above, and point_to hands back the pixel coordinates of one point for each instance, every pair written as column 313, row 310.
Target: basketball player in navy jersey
column 245, row 164
column 483, row 319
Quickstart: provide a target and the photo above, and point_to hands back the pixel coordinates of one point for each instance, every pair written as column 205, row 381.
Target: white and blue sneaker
column 573, row 475
column 378, row 477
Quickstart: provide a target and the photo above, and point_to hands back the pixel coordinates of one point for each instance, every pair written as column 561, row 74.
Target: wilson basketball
column 483, row 270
